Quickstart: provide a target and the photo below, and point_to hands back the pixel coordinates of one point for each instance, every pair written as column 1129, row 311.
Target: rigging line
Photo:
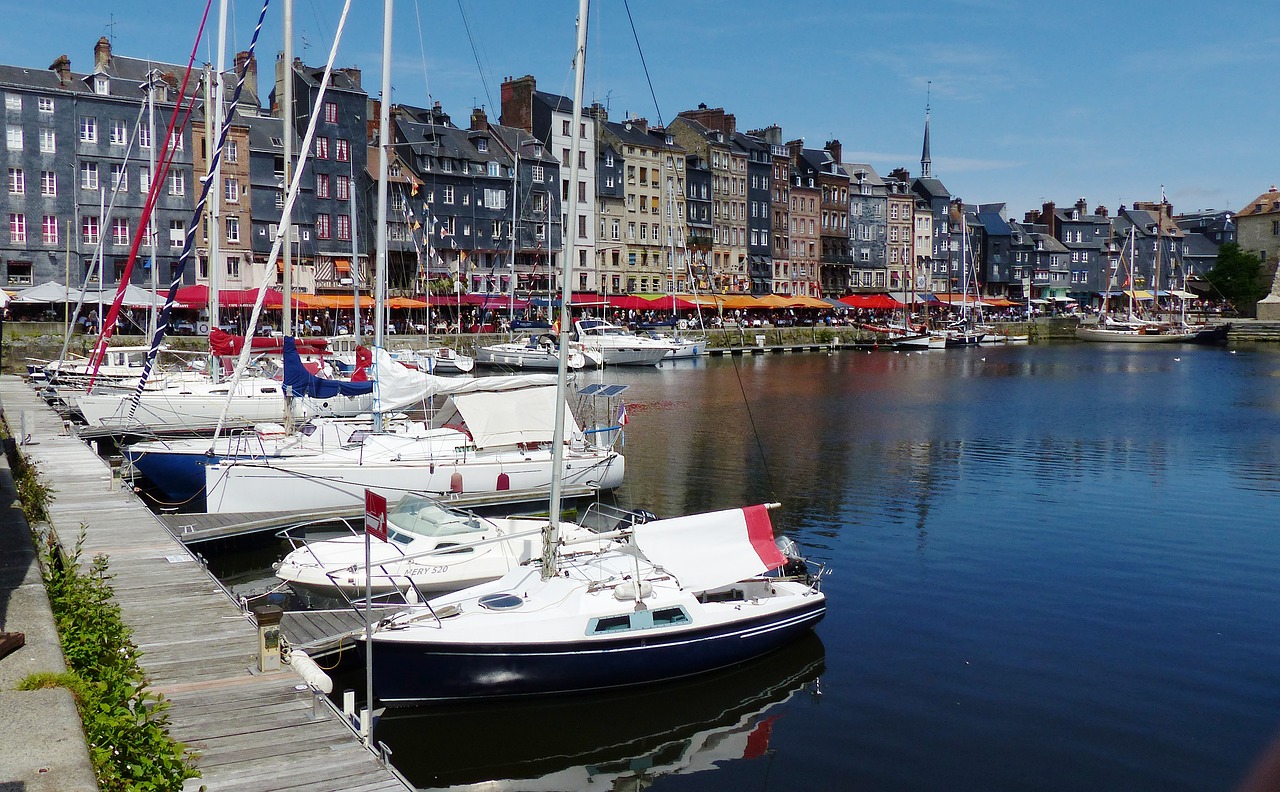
column 643, row 63
column 422, row 49
column 755, row 431
column 475, row 53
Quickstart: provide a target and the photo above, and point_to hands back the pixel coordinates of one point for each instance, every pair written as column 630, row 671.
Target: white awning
column 507, row 418
column 400, row 386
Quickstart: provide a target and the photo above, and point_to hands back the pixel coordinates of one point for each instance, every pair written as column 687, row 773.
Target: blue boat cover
column 300, row 382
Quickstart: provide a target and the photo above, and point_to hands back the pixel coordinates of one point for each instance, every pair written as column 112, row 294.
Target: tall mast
column 152, row 77
column 286, row 113
column 552, row 537
column 384, row 144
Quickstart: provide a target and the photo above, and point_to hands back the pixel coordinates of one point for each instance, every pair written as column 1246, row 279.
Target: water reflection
column 615, row 741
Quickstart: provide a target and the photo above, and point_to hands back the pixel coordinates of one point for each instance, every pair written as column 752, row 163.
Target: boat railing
column 297, row 542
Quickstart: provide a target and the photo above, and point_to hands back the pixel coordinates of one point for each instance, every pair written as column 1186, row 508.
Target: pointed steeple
column 925, row 162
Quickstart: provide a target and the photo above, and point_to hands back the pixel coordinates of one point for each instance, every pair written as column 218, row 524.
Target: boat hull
column 268, row 485
column 407, row 673
column 1130, row 336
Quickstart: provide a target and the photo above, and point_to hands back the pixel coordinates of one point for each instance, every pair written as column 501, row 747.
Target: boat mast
column 552, row 535
column 152, row 77
column 384, row 141
column 286, row 118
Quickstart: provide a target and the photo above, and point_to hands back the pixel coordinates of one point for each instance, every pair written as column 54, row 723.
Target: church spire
column 925, row 162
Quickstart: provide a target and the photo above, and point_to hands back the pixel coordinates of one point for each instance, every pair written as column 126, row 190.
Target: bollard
column 268, row 618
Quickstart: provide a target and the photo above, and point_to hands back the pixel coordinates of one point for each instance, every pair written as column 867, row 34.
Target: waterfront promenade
column 250, row 730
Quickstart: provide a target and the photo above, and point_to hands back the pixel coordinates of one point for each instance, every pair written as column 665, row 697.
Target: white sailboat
column 684, row 596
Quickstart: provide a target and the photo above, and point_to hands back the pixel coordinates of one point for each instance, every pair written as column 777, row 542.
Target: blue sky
column 1031, row 101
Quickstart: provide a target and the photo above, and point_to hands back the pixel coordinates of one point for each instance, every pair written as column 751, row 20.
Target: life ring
column 203, row 328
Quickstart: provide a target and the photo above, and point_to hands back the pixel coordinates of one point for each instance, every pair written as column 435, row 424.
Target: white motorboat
column 430, row 547
column 540, row 352
column 618, row 346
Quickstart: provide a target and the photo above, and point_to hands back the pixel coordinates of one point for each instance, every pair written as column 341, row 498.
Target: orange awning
column 342, row 265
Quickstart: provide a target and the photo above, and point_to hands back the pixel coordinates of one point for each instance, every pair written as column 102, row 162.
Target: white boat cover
column 399, row 386
column 713, row 549
column 507, row 418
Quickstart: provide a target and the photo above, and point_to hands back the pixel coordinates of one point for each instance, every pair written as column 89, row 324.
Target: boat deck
column 251, row 730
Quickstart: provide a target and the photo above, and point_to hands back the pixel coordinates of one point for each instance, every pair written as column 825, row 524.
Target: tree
column 1240, row 278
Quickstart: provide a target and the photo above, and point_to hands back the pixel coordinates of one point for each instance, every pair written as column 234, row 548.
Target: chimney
column 1101, row 211
column 834, row 148
column 1049, row 217
column 102, row 55
column 730, row 124
column 1031, row 217
column 62, row 68
column 1082, row 206
column 479, row 119
column 796, row 149
column 353, row 74
column 598, row 113
column 901, row 174
column 247, row 65
column 517, row 102
column 641, row 124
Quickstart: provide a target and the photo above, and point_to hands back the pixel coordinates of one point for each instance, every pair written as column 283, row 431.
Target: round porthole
column 500, row 602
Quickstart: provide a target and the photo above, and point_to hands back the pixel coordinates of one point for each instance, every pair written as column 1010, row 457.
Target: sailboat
column 680, row 597
column 1130, row 330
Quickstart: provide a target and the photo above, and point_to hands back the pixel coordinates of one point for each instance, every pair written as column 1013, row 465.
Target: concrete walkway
column 42, row 744
column 251, row 731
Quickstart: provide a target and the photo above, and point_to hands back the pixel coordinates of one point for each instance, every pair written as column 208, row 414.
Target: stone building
column 709, row 133
column 1258, row 232
column 805, row 215
column 899, row 242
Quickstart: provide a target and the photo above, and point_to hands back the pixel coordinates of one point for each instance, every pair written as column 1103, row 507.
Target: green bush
column 124, row 722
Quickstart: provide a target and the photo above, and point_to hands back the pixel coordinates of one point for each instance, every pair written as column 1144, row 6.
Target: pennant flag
column 623, row 420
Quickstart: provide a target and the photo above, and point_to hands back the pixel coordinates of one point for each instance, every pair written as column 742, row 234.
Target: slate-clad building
column 868, row 228
column 70, row 140
column 759, row 211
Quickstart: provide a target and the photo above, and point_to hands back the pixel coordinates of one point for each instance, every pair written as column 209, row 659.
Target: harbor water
column 1054, row 568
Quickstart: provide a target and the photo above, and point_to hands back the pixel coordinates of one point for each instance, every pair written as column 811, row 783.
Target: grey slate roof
column 933, row 187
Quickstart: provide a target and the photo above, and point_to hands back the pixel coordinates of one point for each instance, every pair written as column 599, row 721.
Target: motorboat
column 430, row 547
column 540, row 352
column 618, row 346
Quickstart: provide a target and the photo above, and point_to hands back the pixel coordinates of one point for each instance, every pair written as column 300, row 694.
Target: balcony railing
column 837, row 258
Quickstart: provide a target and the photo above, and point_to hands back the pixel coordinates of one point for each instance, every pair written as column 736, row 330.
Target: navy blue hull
column 405, row 673
column 179, row 476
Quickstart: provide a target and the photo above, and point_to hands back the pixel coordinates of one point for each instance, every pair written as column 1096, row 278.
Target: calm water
column 1055, row 569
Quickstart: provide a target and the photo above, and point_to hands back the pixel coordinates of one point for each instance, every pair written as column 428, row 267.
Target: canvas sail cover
column 399, row 386
column 505, row 418
column 704, row 551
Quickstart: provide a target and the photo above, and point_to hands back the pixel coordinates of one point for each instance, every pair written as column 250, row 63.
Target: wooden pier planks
column 252, row 731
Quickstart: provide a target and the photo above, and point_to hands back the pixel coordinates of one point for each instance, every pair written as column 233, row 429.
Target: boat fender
column 627, row 590
column 310, row 672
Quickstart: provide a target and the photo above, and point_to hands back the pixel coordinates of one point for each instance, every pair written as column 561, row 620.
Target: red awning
column 881, row 301
column 197, row 296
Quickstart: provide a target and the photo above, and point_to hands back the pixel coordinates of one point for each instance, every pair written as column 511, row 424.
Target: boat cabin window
column 425, row 517
column 638, row 620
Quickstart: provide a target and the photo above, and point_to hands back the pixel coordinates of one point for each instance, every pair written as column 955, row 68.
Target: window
column 233, row 266
column 540, row 230
column 88, row 129
column 17, row 228
column 175, row 140
column 582, row 159
column 613, row 230
column 89, row 230
column 343, row 153
column 177, row 233
column 582, row 226
column 13, row 138
column 494, row 168
column 537, row 173
column 344, row 226
column 321, row 148
column 89, row 175
column 144, row 137
column 331, row 112
column 178, row 183
column 144, row 179
column 233, row 228
column 322, row 226
column 608, row 159
column 564, row 157
column 447, row 197
column 17, row 181
column 495, row 199
column 231, row 191
column 49, row 230
column 344, row 188
column 322, row 185
column 119, row 133
column 46, row 104
column 564, row 127
column 119, row 231
column 232, row 151
column 12, row 102
column 119, row 177
column 582, row 192
column 482, row 145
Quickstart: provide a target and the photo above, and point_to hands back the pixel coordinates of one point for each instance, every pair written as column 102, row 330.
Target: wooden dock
column 250, row 730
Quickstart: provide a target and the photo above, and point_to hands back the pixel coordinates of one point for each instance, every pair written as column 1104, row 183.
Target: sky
column 1030, row 101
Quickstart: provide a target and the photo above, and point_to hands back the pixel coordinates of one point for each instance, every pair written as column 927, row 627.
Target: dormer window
column 482, row 145
column 101, row 84
column 670, row 140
